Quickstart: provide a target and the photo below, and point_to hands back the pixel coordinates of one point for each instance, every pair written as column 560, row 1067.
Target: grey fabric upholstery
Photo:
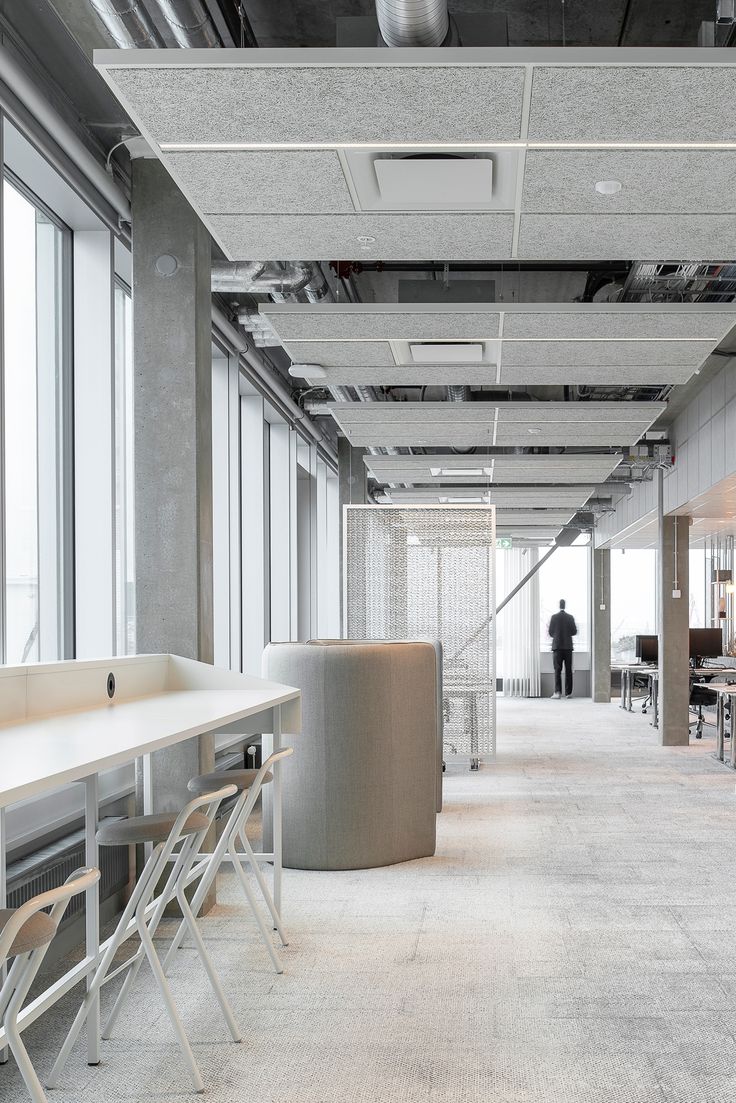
column 147, row 829
column 437, row 645
column 35, row 932
column 210, row 783
column 362, row 790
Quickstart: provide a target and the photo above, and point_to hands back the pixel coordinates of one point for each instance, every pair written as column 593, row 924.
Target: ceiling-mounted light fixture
column 307, row 371
column 533, row 429
column 608, row 187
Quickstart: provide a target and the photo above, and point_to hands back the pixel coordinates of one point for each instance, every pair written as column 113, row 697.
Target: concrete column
column 352, row 491
column 601, row 649
column 172, row 342
column 674, row 675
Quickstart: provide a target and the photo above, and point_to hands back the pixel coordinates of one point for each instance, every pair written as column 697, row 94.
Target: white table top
column 720, row 687
column 43, row 753
column 637, row 668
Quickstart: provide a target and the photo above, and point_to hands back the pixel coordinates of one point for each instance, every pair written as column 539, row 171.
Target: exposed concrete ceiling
column 279, row 23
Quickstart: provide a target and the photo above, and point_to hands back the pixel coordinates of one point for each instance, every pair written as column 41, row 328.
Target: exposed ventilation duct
column 458, row 393
column 256, row 277
column 128, row 23
column 131, row 27
column 413, row 22
column 190, row 22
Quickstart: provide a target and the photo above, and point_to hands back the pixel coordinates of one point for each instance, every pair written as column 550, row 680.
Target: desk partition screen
column 428, row 572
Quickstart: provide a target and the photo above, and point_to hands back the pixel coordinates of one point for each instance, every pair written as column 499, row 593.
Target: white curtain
column 521, row 661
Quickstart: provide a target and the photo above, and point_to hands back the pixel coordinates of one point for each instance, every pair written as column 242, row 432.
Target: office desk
column 628, row 672
column 726, row 693
column 59, row 724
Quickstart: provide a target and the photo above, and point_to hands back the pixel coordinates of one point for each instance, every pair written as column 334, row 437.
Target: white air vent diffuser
column 430, row 181
column 442, row 352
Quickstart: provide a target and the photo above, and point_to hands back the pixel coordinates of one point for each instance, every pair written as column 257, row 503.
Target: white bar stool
column 145, row 910
column 249, row 783
column 26, row 934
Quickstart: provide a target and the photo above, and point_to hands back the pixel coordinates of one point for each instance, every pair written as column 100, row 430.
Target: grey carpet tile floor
column 571, row 942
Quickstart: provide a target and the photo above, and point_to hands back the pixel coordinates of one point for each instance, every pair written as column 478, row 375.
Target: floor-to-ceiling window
column 124, row 474
column 633, row 599
column 35, row 543
column 565, row 576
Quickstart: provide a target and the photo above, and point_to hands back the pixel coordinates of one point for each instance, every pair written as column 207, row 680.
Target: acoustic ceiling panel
column 632, row 103
column 600, row 375
column 438, row 424
column 604, row 353
column 536, row 469
column 263, row 181
column 625, row 321
column 453, row 237
column 334, row 323
column 408, row 375
column 509, row 519
column 593, row 237
column 340, row 354
column 377, row 103
column 507, row 497
column 240, row 97
column 563, row 181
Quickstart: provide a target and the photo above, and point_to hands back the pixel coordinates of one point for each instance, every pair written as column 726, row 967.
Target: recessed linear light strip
column 214, row 147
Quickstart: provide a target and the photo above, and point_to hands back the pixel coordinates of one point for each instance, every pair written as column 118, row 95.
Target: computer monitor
column 647, row 649
column 705, row 643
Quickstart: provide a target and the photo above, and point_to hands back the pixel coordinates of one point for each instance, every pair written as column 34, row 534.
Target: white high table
column 70, row 721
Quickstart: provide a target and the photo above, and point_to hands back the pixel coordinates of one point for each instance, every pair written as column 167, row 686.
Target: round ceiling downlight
column 608, row 187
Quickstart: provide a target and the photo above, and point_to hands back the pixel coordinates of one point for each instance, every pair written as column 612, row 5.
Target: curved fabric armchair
column 362, row 791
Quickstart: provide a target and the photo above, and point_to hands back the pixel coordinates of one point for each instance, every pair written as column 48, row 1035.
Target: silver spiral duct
column 128, row 23
column 458, row 393
column 190, row 22
column 256, row 277
column 413, row 22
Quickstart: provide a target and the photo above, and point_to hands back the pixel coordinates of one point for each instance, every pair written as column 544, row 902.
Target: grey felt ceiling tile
column 623, row 375
column 628, row 103
column 514, row 497
column 586, row 435
column 653, row 181
column 342, row 354
column 621, row 321
column 441, row 324
column 405, row 375
column 262, row 181
column 529, row 469
column 646, row 237
column 603, row 353
column 325, row 103
column 366, row 236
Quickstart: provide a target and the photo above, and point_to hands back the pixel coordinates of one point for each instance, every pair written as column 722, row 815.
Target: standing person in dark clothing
column 562, row 628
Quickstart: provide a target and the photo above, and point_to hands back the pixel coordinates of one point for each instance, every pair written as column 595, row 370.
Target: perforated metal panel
column 428, row 572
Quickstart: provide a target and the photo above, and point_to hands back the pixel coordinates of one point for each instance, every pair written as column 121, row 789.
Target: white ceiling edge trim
column 501, row 56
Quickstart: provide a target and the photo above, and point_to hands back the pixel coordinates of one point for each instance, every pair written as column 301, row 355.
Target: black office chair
column 643, row 683
column 700, row 697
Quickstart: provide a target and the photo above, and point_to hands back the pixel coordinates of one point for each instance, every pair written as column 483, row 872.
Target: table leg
column 3, row 902
column 720, row 718
column 731, row 702
column 92, row 915
column 277, row 806
column 622, row 702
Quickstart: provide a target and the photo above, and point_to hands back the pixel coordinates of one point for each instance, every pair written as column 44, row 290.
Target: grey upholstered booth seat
column 362, row 791
column 438, row 655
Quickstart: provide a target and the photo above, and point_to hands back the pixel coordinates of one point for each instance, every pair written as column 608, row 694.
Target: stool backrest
column 57, row 899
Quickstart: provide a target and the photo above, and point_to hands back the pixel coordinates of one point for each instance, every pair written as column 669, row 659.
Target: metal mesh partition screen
column 413, row 572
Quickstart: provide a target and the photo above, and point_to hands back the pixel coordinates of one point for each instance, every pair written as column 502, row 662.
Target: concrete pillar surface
column 674, row 646
column 172, row 341
column 601, row 649
column 352, row 491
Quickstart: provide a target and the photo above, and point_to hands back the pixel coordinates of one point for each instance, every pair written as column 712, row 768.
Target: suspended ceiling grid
column 519, row 424
column 448, row 469
column 276, row 149
column 521, row 344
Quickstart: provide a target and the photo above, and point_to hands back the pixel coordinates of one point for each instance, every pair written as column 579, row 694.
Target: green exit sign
column 503, row 543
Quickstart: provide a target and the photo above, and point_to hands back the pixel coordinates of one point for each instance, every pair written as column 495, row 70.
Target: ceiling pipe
column 128, row 23
column 190, row 23
column 413, row 22
column 257, row 277
column 27, row 92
